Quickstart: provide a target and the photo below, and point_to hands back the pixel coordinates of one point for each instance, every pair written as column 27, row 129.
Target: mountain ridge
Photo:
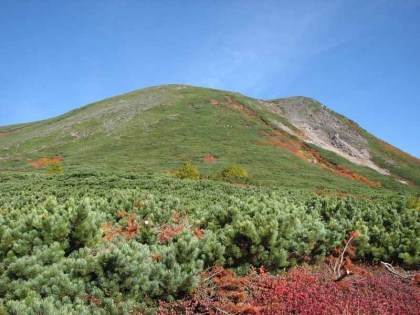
column 157, row 128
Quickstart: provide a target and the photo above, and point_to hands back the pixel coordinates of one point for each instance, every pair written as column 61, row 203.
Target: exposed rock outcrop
column 324, row 128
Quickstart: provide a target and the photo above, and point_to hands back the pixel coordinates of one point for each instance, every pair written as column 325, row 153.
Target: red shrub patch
column 303, row 290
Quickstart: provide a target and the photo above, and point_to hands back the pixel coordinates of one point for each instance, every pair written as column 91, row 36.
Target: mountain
column 289, row 141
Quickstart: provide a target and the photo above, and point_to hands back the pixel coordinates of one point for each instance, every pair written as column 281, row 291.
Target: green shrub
column 115, row 244
column 414, row 203
column 188, row 170
column 55, row 168
column 234, row 173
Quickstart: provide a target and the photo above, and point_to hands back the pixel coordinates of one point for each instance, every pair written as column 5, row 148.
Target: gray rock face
column 326, row 129
column 341, row 144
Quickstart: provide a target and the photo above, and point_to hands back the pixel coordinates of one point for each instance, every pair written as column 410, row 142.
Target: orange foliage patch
column 41, row 162
column 169, row 232
column 4, row 134
column 210, row 158
column 342, row 171
column 231, row 293
column 129, row 231
column 199, row 233
column 282, row 141
column 397, row 152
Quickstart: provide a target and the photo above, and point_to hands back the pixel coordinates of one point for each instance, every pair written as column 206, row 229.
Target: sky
column 360, row 58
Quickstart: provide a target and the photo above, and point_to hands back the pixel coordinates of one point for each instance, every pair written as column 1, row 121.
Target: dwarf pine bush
column 104, row 244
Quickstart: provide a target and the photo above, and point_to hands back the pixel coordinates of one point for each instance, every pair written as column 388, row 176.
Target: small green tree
column 188, row 170
column 235, row 173
column 55, row 167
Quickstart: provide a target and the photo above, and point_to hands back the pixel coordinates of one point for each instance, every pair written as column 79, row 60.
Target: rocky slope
column 321, row 126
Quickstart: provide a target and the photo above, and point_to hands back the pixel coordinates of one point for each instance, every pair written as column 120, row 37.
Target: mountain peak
column 156, row 128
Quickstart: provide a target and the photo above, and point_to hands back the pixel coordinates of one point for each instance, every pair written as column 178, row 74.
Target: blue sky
column 359, row 58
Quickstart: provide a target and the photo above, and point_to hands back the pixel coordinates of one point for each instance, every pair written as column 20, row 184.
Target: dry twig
column 339, row 264
column 391, row 269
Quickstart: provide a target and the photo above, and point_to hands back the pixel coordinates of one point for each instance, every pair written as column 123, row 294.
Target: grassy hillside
column 156, row 129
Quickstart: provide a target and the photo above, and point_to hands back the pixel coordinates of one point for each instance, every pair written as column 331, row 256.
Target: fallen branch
column 391, row 269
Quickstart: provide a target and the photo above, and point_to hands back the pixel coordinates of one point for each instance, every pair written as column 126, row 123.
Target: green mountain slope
column 156, row 129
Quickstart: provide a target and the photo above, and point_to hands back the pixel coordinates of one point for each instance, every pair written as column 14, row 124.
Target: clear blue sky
column 360, row 58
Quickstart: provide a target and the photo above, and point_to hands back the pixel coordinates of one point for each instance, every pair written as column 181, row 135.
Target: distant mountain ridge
column 293, row 141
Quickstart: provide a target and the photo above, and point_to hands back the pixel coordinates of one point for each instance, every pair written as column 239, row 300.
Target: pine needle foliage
column 94, row 243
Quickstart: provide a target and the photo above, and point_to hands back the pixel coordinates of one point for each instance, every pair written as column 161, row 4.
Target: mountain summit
column 293, row 141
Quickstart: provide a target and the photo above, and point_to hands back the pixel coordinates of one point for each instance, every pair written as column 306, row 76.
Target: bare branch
column 391, row 269
column 339, row 262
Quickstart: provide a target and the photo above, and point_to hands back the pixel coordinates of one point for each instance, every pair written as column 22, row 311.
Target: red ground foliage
column 303, row 290
column 41, row 162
